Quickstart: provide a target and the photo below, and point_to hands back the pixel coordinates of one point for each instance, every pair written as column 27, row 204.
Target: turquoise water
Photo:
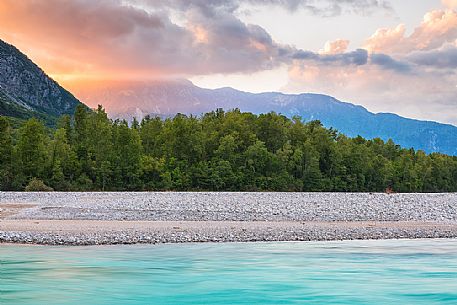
column 350, row 272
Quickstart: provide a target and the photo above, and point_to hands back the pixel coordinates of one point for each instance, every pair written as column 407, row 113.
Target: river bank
column 126, row 218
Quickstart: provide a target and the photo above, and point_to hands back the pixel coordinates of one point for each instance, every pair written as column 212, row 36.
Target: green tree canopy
column 219, row 151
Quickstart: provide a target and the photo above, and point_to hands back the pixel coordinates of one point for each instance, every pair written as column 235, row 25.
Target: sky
column 387, row 55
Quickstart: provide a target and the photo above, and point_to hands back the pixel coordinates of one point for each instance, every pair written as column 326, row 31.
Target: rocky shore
column 124, row 218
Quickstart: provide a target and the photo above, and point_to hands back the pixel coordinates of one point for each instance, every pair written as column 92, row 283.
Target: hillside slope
column 26, row 91
column 137, row 99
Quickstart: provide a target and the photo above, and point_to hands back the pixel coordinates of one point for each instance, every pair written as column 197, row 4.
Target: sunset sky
column 390, row 56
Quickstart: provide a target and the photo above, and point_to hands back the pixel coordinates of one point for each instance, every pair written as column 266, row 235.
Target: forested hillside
column 126, row 100
column 220, row 151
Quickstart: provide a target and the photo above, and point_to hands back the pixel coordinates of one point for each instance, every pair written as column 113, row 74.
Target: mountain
column 136, row 99
column 26, row 91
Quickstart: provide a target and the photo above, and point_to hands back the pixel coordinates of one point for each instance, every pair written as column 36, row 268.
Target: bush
column 37, row 185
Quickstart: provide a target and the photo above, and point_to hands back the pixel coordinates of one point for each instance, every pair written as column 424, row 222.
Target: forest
column 217, row 151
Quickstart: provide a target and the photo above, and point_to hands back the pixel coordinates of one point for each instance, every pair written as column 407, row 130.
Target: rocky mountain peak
column 23, row 84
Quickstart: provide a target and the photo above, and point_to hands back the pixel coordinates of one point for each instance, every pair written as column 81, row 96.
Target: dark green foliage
column 219, row 151
column 6, row 154
column 31, row 153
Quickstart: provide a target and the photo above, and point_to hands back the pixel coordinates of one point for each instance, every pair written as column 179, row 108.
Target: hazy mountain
column 25, row 90
column 126, row 100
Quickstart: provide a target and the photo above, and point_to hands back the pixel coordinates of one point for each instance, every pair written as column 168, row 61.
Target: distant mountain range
column 26, row 91
column 136, row 99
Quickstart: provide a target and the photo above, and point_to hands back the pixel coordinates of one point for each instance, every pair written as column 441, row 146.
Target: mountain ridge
column 166, row 98
column 27, row 91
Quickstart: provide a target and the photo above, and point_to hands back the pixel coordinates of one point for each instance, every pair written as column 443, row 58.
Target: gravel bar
column 125, row 218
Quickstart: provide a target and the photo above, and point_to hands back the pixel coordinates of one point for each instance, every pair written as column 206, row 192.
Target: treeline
column 218, row 151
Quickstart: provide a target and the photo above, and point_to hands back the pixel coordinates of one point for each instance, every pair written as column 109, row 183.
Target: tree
column 127, row 156
column 150, row 133
column 31, row 149
column 58, row 181
column 312, row 176
column 64, row 122
column 6, row 154
column 258, row 164
column 218, row 151
column 153, row 173
column 272, row 130
column 63, row 163
column 100, row 147
column 81, row 139
column 227, row 148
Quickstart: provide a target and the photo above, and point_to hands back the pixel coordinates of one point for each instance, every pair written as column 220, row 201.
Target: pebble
column 211, row 206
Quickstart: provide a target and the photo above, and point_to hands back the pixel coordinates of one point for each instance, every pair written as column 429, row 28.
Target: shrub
column 37, row 185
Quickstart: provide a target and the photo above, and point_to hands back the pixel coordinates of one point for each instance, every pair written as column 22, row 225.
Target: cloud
column 444, row 58
column 320, row 8
column 77, row 35
column 427, row 94
column 138, row 39
column 386, row 39
column 111, row 37
column 357, row 57
column 437, row 28
column 338, row 46
column 413, row 75
column 388, row 63
column 142, row 38
column 450, row 3
column 328, row 8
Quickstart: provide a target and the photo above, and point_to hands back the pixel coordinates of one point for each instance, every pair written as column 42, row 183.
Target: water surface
column 349, row 272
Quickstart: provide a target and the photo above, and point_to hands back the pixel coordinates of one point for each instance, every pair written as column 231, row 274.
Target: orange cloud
column 112, row 39
column 69, row 37
column 450, row 3
column 201, row 35
column 89, row 40
column 338, row 46
column 386, row 39
column 437, row 28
